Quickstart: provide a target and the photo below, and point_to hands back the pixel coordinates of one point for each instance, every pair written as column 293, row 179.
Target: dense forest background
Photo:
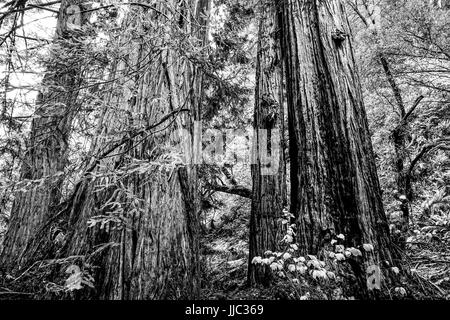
column 342, row 192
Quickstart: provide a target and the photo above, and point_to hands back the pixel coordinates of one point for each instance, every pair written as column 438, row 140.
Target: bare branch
column 439, row 144
column 414, row 106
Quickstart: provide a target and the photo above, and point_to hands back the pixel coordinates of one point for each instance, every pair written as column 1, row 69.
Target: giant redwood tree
column 44, row 163
column 335, row 187
column 268, row 161
column 129, row 231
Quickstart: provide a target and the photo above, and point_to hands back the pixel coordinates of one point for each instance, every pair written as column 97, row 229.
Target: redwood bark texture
column 46, row 159
column 268, row 167
column 335, row 188
column 132, row 222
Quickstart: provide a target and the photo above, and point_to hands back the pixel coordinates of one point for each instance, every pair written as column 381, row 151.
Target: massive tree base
column 97, row 253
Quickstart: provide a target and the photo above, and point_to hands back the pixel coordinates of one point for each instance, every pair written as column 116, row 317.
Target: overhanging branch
column 236, row 190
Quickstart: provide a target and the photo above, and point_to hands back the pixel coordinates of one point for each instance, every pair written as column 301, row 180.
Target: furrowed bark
column 268, row 164
column 46, row 157
column 132, row 222
column 335, row 188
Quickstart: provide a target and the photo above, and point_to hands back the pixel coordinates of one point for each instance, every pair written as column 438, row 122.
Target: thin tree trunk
column 268, row 167
column 399, row 137
column 46, row 158
column 335, row 188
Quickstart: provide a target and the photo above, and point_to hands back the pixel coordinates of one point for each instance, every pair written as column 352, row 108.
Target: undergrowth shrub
column 327, row 275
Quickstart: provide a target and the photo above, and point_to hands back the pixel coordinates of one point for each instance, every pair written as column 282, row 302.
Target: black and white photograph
column 237, row 152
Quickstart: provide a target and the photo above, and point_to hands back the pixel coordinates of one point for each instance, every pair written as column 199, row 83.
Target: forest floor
column 224, row 250
column 224, row 254
column 428, row 250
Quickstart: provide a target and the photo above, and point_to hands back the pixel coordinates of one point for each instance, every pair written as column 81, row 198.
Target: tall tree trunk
column 335, row 188
column 132, row 223
column 268, row 164
column 46, row 157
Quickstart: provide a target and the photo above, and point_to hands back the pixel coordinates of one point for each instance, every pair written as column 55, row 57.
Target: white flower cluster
column 341, row 253
column 285, row 264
